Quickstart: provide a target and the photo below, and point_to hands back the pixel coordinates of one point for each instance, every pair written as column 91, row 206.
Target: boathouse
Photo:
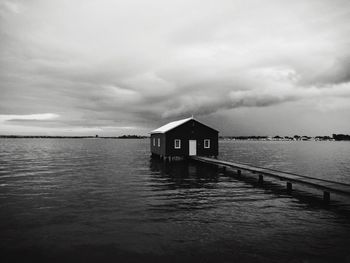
column 187, row 137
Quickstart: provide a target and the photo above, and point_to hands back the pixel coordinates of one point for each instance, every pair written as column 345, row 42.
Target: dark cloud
column 336, row 73
column 118, row 64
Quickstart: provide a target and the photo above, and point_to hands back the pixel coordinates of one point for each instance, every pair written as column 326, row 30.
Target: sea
column 107, row 200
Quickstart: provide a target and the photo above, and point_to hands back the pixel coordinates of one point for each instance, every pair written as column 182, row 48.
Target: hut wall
column 155, row 149
column 192, row 130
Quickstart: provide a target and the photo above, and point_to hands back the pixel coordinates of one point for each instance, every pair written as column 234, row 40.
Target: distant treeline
column 244, row 137
column 45, row 137
column 341, row 137
column 279, row 138
column 71, row 137
column 132, row 137
column 336, row 137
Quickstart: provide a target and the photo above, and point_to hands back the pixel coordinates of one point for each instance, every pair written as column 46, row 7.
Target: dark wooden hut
column 183, row 138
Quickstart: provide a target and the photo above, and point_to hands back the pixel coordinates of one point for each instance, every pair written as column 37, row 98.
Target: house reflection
column 184, row 174
column 182, row 186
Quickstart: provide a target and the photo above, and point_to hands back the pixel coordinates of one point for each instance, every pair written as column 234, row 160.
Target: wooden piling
column 261, row 179
column 239, row 172
column 289, row 187
column 326, row 197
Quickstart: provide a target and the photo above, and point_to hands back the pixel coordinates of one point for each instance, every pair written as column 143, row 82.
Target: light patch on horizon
column 112, row 67
column 44, row 124
column 28, row 117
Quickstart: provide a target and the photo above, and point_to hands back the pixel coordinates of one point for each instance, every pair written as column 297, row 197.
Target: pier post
column 289, row 187
column 224, row 169
column 261, row 179
column 326, row 197
column 239, row 172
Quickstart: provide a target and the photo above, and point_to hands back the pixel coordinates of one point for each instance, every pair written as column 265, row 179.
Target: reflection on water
column 184, row 174
column 106, row 200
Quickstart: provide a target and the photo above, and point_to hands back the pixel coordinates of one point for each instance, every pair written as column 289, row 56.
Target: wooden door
column 193, row 147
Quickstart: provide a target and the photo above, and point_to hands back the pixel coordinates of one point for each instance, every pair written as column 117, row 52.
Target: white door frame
column 192, row 146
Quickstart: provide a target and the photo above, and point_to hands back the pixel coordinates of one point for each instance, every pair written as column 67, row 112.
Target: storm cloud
column 113, row 67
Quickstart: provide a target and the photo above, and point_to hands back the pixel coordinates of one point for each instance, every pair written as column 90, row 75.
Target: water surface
column 95, row 200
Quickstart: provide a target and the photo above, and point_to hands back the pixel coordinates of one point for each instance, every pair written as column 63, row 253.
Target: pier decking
column 326, row 186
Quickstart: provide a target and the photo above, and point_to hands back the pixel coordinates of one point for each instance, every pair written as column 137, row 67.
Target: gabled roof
column 171, row 125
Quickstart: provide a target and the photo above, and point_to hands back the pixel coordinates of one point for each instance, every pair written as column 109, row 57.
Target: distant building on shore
column 187, row 137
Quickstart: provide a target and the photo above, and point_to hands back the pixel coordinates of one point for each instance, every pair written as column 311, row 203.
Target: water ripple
column 108, row 195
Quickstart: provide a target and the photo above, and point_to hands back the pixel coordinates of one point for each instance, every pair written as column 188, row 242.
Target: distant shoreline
column 335, row 137
column 71, row 137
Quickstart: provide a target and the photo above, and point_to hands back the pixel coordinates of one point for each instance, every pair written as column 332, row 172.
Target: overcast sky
column 110, row 67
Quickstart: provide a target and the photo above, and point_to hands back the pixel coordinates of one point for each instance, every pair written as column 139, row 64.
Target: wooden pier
column 326, row 186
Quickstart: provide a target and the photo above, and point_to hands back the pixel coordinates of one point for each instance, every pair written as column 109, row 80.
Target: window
column 158, row 142
column 207, row 143
column 154, row 141
column 177, row 144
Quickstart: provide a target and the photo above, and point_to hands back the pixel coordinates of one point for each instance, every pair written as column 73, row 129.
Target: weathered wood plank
column 321, row 184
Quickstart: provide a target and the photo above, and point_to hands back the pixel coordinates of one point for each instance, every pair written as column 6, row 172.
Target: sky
column 111, row 67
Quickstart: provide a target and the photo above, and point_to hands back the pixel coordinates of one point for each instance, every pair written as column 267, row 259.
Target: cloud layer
column 114, row 67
